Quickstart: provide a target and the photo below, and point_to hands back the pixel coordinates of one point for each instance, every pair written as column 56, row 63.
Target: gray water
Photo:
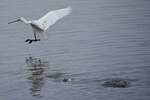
column 101, row 39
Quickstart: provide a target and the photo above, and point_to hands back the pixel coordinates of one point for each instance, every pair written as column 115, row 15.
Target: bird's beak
column 14, row 21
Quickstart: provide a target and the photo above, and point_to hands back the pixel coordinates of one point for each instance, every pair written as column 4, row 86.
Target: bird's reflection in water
column 36, row 69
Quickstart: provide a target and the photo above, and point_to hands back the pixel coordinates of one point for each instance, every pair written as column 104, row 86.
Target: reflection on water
column 36, row 70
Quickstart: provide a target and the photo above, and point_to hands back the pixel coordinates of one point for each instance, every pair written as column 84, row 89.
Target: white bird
column 41, row 25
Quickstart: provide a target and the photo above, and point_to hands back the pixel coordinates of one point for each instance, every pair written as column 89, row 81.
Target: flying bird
column 41, row 25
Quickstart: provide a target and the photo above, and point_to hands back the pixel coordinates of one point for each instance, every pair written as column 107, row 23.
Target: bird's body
column 41, row 25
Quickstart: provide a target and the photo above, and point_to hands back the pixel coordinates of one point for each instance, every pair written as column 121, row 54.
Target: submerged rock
column 120, row 83
column 66, row 80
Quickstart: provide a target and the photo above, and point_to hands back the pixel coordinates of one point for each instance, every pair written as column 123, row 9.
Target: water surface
column 100, row 40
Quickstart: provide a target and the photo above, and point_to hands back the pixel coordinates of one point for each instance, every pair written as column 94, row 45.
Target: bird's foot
column 37, row 40
column 27, row 40
column 32, row 40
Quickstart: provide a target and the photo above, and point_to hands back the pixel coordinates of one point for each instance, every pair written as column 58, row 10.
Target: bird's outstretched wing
column 51, row 17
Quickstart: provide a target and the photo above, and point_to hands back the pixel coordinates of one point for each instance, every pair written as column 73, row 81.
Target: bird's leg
column 31, row 40
column 35, row 37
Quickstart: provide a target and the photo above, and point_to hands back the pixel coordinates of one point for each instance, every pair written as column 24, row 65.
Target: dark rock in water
column 66, row 80
column 120, row 83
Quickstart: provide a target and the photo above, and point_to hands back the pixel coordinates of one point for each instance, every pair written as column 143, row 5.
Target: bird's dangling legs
column 35, row 36
column 31, row 40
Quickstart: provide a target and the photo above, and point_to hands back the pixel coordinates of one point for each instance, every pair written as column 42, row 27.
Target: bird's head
column 17, row 20
column 21, row 19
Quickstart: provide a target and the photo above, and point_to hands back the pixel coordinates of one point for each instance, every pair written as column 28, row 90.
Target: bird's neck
column 24, row 20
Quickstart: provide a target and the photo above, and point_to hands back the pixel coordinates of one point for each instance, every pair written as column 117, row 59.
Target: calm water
column 101, row 39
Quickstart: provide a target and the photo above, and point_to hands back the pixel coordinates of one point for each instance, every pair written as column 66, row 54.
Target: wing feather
column 51, row 17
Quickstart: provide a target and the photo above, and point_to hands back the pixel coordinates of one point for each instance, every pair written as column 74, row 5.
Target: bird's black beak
column 14, row 21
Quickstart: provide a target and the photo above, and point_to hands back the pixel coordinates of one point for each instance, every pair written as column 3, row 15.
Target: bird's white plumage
column 41, row 25
column 51, row 17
